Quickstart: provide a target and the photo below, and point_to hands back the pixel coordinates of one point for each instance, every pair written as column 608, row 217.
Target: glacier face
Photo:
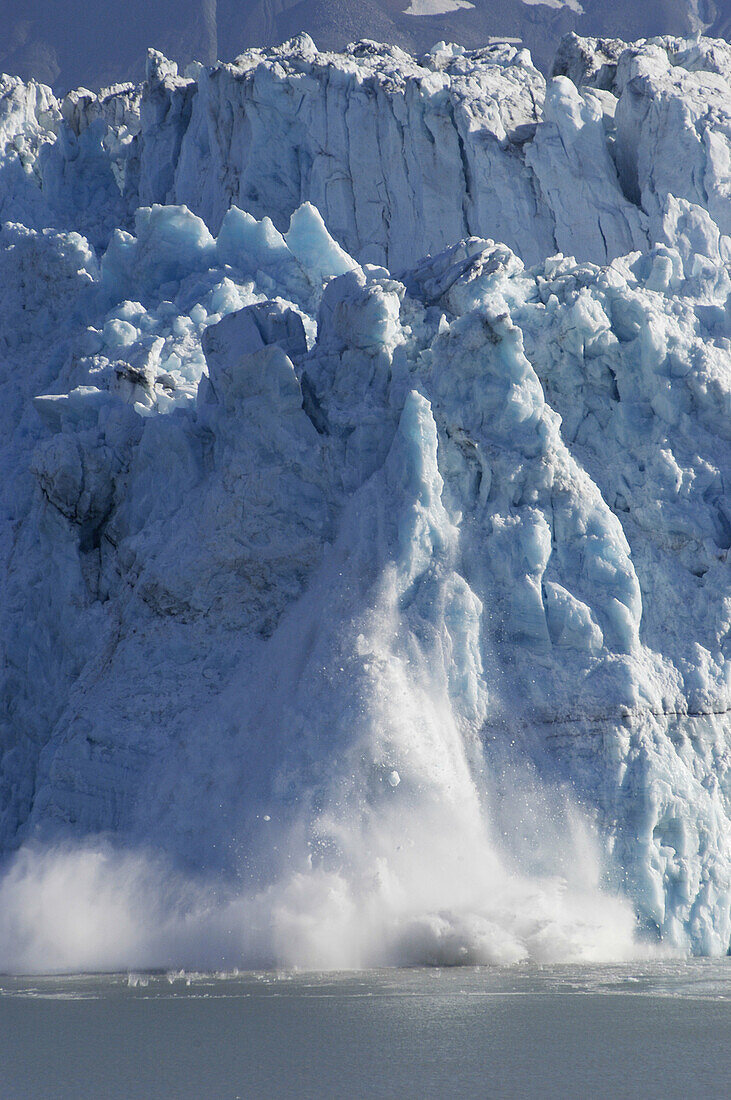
column 400, row 157
column 395, row 607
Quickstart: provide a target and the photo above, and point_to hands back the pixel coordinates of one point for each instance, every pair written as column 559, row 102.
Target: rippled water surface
column 663, row 1030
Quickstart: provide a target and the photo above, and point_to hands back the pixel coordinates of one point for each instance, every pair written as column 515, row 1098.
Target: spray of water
column 390, row 860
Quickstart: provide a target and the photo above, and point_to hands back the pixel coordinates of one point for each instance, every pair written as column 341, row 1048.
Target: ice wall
column 375, row 619
column 400, row 157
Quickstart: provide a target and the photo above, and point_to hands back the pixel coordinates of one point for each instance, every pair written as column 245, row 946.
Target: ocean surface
column 653, row 1031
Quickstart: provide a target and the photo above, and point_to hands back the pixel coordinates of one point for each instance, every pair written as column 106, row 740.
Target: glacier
column 365, row 451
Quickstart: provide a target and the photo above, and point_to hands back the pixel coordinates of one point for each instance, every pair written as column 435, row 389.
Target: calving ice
column 355, row 616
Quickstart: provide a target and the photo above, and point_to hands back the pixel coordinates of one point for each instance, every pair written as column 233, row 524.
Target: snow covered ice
column 354, row 616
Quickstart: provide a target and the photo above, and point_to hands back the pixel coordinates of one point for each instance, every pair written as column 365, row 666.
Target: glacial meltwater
column 660, row 1030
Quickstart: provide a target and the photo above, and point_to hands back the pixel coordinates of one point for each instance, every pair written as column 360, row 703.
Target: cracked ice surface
column 392, row 613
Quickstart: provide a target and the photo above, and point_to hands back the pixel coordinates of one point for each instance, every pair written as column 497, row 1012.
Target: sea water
column 662, row 1030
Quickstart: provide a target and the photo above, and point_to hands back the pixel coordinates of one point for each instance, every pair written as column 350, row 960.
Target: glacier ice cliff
column 354, row 615
column 400, row 157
